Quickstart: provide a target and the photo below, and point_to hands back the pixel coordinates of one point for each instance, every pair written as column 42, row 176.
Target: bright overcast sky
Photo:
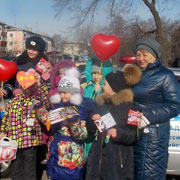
column 39, row 15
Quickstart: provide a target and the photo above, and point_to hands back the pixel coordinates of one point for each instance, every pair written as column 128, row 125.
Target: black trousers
column 41, row 155
column 24, row 166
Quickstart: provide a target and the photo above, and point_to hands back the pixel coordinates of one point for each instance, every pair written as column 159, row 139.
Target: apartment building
column 16, row 39
column 3, row 38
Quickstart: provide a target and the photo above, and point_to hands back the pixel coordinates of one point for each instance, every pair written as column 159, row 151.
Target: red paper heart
column 25, row 79
column 7, row 70
column 105, row 46
column 128, row 59
column 46, row 76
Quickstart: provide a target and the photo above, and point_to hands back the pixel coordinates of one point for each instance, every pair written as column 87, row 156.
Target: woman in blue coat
column 157, row 96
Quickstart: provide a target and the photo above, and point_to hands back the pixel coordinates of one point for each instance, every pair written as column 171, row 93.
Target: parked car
column 174, row 141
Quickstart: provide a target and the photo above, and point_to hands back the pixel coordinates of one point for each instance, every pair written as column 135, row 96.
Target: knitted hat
column 95, row 69
column 116, row 81
column 121, row 83
column 149, row 44
column 35, row 43
column 70, row 83
column 128, row 77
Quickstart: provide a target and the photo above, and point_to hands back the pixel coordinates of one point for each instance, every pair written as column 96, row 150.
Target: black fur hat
column 36, row 43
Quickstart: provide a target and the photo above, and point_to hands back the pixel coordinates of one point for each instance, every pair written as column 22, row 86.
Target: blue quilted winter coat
column 157, row 96
column 66, row 160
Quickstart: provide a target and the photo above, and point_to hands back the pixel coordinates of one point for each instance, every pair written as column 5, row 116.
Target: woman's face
column 144, row 58
column 65, row 96
column 107, row 88
column 32, row 53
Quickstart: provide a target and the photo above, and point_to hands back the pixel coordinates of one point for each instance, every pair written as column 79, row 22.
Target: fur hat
column 121, row 83
column 70, row 83
column 35, row 43
column 149, row 44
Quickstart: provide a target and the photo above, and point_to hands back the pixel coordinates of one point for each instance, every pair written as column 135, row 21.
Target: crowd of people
column 95, row 136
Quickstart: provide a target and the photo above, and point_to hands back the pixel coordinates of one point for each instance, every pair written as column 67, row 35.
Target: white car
column 174, row 141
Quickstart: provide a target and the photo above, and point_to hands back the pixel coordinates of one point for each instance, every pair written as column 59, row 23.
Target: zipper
column 100, row 158
column 120, row 157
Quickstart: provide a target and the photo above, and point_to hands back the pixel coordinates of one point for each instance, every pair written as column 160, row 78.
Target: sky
column 39, row 14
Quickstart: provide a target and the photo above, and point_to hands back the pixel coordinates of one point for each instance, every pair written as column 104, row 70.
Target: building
column 16, row 39
column 3, row 38
column 74, row 48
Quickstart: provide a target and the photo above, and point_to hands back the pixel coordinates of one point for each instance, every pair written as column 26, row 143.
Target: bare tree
column 83, row 34
column 58, row 41
column 88, row 10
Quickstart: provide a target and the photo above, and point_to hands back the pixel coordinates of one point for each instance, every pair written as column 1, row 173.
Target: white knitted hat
column 70, row 82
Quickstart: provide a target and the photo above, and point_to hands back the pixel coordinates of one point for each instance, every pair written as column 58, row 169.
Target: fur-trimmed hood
column 123, row 96
column 132, row 74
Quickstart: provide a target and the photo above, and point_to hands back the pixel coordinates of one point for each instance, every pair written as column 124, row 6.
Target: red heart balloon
column 7, row 70
column 105, row 46
column 128, row 59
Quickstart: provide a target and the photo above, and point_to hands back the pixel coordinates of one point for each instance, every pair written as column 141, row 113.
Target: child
column 111, row 154
column 95, row 79
column 21, row 124
column 56, row 74
column 66, row 160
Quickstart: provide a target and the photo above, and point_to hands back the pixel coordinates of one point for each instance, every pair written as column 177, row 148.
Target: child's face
column 65, row 96
column 107, row 88
column 97, row 77
column 61, row 73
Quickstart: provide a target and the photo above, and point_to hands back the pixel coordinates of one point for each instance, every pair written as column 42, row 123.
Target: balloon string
column 2, row 83
column 100, row 71
column 100, row 68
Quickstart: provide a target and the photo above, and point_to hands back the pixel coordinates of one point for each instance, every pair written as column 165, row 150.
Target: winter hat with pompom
column 70, row 83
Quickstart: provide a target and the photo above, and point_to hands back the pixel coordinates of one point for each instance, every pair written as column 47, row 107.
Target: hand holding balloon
column 2, row 92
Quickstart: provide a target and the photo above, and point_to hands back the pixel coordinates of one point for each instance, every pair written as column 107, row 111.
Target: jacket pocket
column 70, row 155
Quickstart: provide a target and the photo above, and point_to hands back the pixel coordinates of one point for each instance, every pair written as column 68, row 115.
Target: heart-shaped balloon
column 7, row 70
column 105, row 46
column 25, row 79
column 128, row 59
